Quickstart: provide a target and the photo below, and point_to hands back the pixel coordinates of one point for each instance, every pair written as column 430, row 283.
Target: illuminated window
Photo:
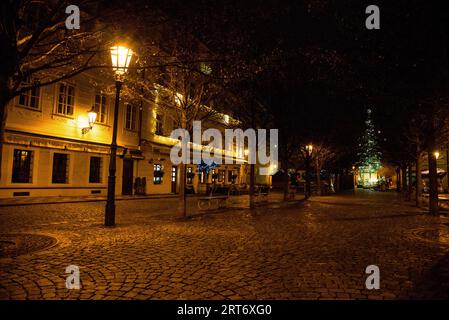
column 173, row 174
column 203, row 177
column 221, row 176
column 157, row 174
column 205, row 68
column 100, row 108
column 189, row 175
column 22, row 164
column 66, row 99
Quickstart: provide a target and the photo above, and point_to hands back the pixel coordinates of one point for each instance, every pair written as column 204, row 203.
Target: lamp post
column 121, row 57
column 309, row 149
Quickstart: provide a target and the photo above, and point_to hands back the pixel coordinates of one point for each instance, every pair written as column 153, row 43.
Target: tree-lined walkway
column 310, row 250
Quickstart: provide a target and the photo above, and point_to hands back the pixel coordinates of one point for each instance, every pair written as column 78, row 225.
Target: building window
column 173, row 174
column 205, row 68
column 21, row 168
column 230, row 176
column 131, row 117
column 203, row 177
column 189, row 175
column 60, row 168
column 95, row 170
column 100, row 108
column 214, row 177
column 66, row 99
column 30, row 98
column 157, row 174
column 221, row 176
column 159, row 130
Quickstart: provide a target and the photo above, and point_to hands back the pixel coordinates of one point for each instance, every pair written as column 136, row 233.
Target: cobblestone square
column 316, row 249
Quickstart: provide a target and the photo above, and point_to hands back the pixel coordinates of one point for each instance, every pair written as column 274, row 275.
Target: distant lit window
column 231, row 176
column 30, row 98
column 173, row 174
column 66, row 99
column 189, row 175
column 100, row 108
column 22, row 164
column 131, row 117
column 157, row 174
column 205, row 68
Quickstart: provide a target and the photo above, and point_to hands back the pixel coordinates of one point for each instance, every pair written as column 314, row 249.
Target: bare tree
column 38, row 49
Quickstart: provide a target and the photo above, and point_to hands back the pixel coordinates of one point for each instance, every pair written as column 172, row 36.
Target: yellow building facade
column 47, row 152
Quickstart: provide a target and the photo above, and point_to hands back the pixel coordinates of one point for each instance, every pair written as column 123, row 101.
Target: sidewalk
column 23, row 201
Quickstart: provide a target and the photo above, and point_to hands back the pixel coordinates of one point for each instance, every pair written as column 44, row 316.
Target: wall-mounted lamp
column 92, row 116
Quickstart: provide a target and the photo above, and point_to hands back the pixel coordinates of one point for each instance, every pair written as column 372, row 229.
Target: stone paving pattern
column 315, row 249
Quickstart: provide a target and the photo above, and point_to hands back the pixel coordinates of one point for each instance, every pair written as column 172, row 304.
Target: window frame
column 67, row 159
column 105, row 106
column 189, row 180
column 157, row 167
column 29, row 96
column 65, row 104
column 30, row 166
column 159, row 124
column 99, row 169
column 133, row 120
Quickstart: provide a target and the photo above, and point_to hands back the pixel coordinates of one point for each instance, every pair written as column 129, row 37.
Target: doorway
column 127, row 180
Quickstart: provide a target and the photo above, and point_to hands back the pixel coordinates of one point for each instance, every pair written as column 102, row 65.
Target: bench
column 291, row 193
column 213, row 201
column 262, row 193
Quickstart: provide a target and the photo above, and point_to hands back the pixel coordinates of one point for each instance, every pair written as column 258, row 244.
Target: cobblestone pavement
column 317, row 249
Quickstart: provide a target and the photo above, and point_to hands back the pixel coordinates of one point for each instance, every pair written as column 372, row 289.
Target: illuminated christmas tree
column 368, row 154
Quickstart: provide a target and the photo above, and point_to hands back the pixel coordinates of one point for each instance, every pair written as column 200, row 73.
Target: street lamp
column 436, row 154
column 121, row 57
column 91, row 116
column 309, row 149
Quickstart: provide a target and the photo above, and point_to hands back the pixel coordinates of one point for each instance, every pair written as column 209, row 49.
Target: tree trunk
column 398, row 179
column 318, row 176
column 286, row 184
column 252, row 182
column 307, row 187
column 182, row 207
column 4, row 99
column 418, row 180
column 404, row 181
column 410, row 185
column 433, row 183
